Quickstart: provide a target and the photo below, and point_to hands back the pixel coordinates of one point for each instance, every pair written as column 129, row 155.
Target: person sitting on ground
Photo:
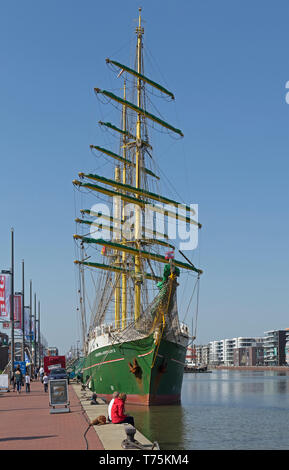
column 117, row 411
column 114, row 395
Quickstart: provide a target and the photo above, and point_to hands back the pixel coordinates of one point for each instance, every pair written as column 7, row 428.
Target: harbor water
column 222, row 410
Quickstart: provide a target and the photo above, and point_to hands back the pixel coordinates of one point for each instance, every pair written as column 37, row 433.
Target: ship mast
column 124, row 276
column 128, row 258
column 117, row 216
column 82, row 301
column 139, row 32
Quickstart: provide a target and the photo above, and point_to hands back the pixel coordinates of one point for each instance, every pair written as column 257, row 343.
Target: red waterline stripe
column 105, row 362
column 146, row 354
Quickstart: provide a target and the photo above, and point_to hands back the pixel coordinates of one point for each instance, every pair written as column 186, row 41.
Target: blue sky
column 227, row 63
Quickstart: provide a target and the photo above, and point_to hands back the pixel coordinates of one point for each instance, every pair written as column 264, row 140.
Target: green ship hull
column 148, row 374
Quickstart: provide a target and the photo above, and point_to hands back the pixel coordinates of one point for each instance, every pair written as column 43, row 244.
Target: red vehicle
column 53, row 362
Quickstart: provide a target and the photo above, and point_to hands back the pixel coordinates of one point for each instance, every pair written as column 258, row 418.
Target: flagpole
column 12, row 301
column 30, row 322
column 34, row 336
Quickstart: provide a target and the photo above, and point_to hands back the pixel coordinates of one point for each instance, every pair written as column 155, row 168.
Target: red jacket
column 117, row 411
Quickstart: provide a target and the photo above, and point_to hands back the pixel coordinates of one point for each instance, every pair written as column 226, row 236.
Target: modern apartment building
column 249, row 356
column 275, row 347
column 222, row 352
column 229, row 346
column 287, row 346
column 269, row 350
column 216, row 352
column 202, row 354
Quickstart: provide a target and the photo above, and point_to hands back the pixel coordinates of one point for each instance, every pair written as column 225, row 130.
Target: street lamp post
column 22, row 314
column 39, row 340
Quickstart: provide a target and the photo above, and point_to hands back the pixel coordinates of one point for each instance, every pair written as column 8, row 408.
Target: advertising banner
column 5, row 296
column 32, row 329
column 22, row 366
column 27, row 360
column 18, row 312
column 27, row 323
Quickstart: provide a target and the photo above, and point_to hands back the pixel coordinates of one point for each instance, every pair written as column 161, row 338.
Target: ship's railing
column 109, row 328
column 101, row 330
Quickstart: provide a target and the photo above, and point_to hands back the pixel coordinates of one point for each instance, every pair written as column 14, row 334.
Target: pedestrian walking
column 41, row 373
column 27, row 382
column 18, row 379
column 45, row 382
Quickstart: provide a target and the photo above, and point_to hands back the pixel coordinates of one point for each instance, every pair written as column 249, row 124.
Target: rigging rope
column 197, row 310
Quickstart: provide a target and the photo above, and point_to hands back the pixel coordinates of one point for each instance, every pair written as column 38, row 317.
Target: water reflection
column 160, row 423
column 230, row 386
column 222, row 410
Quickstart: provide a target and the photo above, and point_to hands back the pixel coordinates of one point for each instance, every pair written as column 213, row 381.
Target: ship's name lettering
column 106, row 352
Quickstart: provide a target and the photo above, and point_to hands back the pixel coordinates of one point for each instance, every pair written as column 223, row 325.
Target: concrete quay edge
column 110, row 435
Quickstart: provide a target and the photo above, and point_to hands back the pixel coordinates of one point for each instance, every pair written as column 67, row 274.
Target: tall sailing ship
column 135, row 342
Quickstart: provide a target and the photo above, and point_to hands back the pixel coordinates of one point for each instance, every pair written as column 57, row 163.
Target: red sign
column 5, row 294
column 6, row 325
column 18, row 311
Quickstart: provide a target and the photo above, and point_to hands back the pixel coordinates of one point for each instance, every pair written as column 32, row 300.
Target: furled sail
column 141, row 76
column 139, row 110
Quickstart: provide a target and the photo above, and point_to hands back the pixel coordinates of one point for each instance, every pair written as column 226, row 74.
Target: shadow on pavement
column 26, row 438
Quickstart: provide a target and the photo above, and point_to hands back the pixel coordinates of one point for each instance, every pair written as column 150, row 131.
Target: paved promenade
column 26, row 423
column 111, row 435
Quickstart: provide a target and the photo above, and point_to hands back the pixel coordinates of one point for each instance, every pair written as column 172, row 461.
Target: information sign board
column 58, row 395
column 4, row 383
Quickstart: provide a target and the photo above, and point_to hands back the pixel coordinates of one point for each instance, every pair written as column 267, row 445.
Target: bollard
column 131, row 443
column 130, row 433
column 93, row 399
